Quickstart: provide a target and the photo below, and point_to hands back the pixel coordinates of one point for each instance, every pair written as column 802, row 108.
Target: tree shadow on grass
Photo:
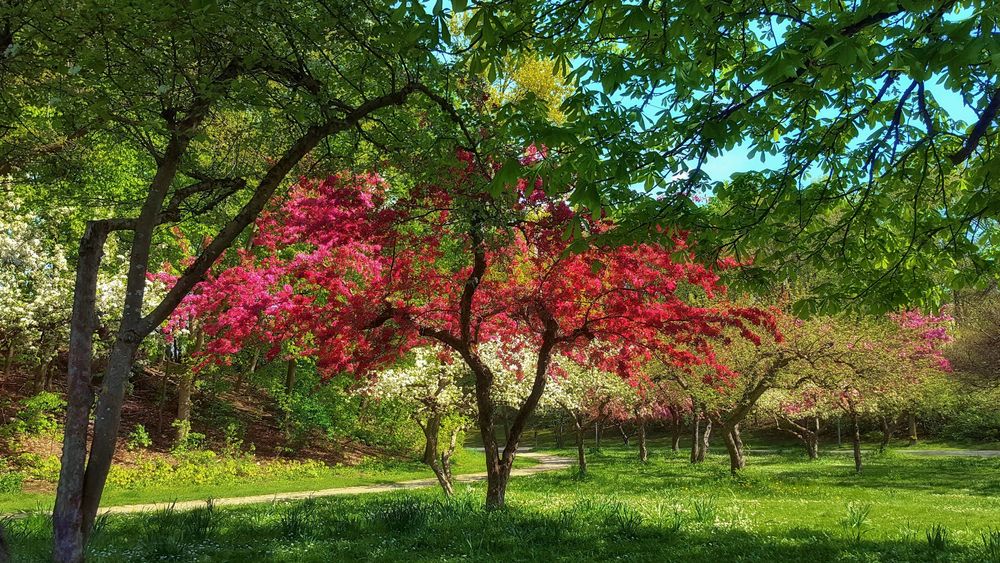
column 419, row 526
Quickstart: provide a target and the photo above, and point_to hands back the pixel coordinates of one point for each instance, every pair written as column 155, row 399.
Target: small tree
column 435, row 387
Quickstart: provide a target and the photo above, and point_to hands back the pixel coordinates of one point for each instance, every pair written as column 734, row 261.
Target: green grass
column 782, row 508
column 222, row 486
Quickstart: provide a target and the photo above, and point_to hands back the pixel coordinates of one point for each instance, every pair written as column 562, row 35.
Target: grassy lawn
column 783, row 508
column 221, row 486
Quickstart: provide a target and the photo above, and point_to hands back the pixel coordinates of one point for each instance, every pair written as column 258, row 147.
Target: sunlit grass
column 782, row 508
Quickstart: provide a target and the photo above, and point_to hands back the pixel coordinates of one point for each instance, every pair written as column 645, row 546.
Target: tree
column 852, row 108
column 583, row 393
column 433, row 383
column 220, row 106
column 460, row 268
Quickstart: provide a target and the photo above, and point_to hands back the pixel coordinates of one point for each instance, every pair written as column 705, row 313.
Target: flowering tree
column 433, row 385
column 877, row 366
column 367, row 281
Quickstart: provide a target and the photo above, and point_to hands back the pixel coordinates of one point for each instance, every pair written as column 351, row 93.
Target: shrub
column 138, row 438
column 37, row 415
column 10, row 482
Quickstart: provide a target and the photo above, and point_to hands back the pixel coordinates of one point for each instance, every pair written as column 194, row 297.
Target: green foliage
column 187, row 440
column 202, row 467
column 991, row 545
column 856, row 523
column 10, row 481
column 937, row 538
column 139, row 438
column 36, row 415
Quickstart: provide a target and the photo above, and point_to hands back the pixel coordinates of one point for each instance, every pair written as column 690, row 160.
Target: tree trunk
column 675, row 440
column 643, row 450
column 840, row 440
column 40, row 376
column 703, row 449
column 183, row 419
column 626, row 437
column 581, row 453
column 888, row 429
column 8, row 362
column 67, row 516
column 912, row 422
column 440, row 463
column 252, row 369
column 431, row 430
column 185, row 389
column 695, row 438
column 597, row 435
column 856, row 441
column 560, row 441
column 735, row 448
column 290, row 376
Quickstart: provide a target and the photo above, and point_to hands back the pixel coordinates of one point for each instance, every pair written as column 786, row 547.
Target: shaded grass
column 782, row 508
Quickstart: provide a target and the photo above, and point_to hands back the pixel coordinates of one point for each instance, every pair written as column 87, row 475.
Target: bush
column 11, row 482
column 138, row 438
column 37, row 415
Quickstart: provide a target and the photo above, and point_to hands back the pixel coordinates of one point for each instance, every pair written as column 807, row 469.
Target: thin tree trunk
column 8, row 362
column 695, row 438
column 735, row 448
column 290, row 376
column 67, row 516
column 560, row 441
column 625, row 435
column 643, row 450
column 252, row 369
column 431, row 430
column 675, row 441
column 182, row 420
column 912, row 422
column 185, row 389
column 887, row 432
column 706, row 434
column 840, row 441
column 41, row 376
column 856, row 441
column 597, row 435
column 581, row 454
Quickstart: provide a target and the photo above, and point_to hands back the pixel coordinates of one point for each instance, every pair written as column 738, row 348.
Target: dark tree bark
column 856, row 441
column 185, row 389
column 912, row 423
column 8, row 362
column 290, row 376
column 643, row 450
column 431, row 428
column 888, row 429
column 67, row 516
column 695, row 437
column 808, row 436
column 626, row 437
column 677, row 429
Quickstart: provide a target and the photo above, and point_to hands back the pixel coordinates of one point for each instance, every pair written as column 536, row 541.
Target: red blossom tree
column 358, row 275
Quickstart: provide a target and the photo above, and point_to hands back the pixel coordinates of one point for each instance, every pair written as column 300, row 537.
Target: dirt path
column 925, row 453
column 545, row 463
